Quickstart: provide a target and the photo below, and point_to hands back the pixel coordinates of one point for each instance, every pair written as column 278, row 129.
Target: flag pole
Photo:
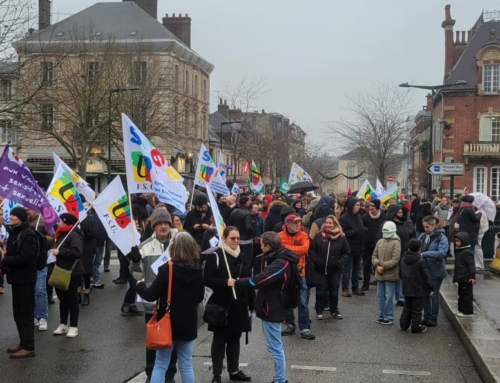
column 192, row 196
column 228, row 271
column 75, row 225
column 132, row 221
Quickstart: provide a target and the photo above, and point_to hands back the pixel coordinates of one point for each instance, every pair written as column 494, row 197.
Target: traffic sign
column 390, row 178
column 446, row 169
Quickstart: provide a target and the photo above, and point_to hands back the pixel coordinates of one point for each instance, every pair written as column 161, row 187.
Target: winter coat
column 301, row 212
column 298, row 243
column 20, row 261
column 373, row 227
column 38, row 222
column 216, row 276
column 465, row 267
column 89, row 248
column 273, row 215
column 225, row 211
column 468, row 222
column 424, row 210
column 194, row 217
column 243, row 221
column 207, row 236
column 354, row 229
column 329, row 256
column 258, row 225
column 269, row 303
column 417, row 281
column 70, row 251
column 306, row 220
column 140, row 209
column 401, row 230
column 484, row 225
column 265, row 210
column 414, row 210
column 386, row 254
column 441, row 211
column 287, row 210
column 323, row 210
column 435, row 254
column 187, row 292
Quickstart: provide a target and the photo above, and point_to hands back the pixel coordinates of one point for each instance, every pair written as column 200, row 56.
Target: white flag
column 207, row 173
column 113, row 209
column 147, row 169
column 297, row 174
column 81, row 185
column 380, row 188
column 235, row 189
column 221, row 167
column 219, row 221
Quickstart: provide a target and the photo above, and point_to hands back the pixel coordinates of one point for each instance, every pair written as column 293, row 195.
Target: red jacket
column 297, row 243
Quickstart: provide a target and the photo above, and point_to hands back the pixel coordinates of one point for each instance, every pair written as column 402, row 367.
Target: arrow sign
column 446, row 169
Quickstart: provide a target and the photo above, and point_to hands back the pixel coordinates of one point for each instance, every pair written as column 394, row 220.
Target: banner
column 221, row 167
column 219, row 221
column 284, row 187
column 113, row 209
column 297, row 174
column 207, row 173
column 63, row 197
column 380, row 188
column 7, row 206
column 147, row 169
column 392, row 192
column 367, row 192
column 235, row 189
column 18, row 184
column 256, row 184
column 81, row 185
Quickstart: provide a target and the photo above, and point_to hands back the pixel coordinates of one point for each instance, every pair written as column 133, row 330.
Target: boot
column 346, row 293
column 358, row 292
column 86, row 299
column 22, row 353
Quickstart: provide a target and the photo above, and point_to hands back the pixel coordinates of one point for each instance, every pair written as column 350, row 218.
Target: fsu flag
column 81, row 185
column 207, row 173
column 63, row 196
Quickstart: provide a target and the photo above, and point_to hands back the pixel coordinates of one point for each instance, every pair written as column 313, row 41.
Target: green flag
column 284, row 186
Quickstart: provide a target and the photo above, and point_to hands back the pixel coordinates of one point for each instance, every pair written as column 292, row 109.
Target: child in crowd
column 465, row 274
column 416, row 282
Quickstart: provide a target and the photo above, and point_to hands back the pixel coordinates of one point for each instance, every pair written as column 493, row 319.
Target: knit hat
column 160, row 215
column 292, row 218
column 376, row 203
column 68, row 219
column 20, row 213
column 468, row 198
column 389, row 230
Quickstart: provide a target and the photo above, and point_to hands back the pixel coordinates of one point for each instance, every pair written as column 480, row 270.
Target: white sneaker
column 319, row 316
column 462, row 315
column 36, row 322
column 72, row 332
column 62, row 329
column 42, row 324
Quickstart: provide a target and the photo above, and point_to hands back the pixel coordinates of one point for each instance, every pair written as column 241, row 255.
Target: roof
column 354, row 154
column 124, row 22
column 216, row 119
column 8, row 67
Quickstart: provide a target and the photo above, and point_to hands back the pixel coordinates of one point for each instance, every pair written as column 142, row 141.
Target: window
column 186, row 122
column 8, row 132
column 205, row 127
column 438, row 136
column 480, row 180
column 6, row 89
column 204, row 90
column 176, row 77
column 47, row 72
column 197, row 129
column 196, row 86
column 93, row 71
column 491, row 78
column 186, row 83
column 47, row 114
column 489, row 128
column 140, row 72
column 495, row 184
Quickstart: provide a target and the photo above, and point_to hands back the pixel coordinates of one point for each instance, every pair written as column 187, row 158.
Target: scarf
column 399, row 219
column 61, row 230
column 466, row 204
column 329, row 235
column 444, row 207
column 376, row 216
column 228, row 250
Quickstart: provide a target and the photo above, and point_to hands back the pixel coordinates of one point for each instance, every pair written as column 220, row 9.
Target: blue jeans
column 386, row 291
column 399, row 291
column 328, row 288
column 272, row 333
column 185, row 361
column 98, row 256
column 41, row 301
column 304, row 321
column 351, row 271
column 431, row 305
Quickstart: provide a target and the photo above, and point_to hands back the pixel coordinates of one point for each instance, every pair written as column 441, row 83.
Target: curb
column 478, row 335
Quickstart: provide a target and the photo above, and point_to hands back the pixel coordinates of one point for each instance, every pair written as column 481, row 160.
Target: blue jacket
column 435, row 254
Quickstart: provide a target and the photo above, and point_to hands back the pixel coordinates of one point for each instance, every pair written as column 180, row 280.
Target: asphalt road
column 110, row 348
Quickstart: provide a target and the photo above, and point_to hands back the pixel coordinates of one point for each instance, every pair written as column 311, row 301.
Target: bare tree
column 318, row 160
column 15, row 18
column 377, row 127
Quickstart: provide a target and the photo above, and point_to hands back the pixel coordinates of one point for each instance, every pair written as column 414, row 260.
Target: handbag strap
column 74, row 264
column 170, row 277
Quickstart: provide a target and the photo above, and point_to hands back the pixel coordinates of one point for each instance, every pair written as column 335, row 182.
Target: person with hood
column 329, row 251
column 385, row 260
column 424, row 210
column 434, row 250
column 469, row 220
column 325, row 208
column 243, row 221
column 140, row 207
column 198, row 219
column 484, row 225
column 355, row 231
column 417, row 284
column 297, row 205
column 269, row 304
column 464, row 275
column 273, row 215
column 285, row 212
column 266, row 203
column 310, row 211
column 415, row 203
column 441, row 208
column 340, row 207
column 373, row 221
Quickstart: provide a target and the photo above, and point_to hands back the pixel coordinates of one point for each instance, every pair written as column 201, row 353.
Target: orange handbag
column 159, row 333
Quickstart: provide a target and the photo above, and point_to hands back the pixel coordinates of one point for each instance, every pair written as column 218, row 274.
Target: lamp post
column 226, row 123
column 433, row 89
column 110, row 94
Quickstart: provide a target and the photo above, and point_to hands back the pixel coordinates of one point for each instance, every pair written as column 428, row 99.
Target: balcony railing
column 481, row 149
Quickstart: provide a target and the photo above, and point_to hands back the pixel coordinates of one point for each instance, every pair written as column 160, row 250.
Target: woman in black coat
column 424, row 210
column 68, row 250
column 468, row 220
column 226, row 339
column 89, row 249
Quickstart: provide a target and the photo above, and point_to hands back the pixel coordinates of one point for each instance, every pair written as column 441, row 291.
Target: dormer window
column 491, row 81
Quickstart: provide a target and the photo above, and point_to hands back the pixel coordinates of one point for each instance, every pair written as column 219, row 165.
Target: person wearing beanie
column 198, row 219
column 373, row 222
column 385, row 260
column 285, row 212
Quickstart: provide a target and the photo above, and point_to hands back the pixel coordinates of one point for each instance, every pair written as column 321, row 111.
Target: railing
column 482, row 148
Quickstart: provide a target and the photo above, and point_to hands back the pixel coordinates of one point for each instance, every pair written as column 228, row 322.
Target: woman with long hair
column 187, row 292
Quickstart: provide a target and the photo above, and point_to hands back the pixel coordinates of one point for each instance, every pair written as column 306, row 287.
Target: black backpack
column 96, row 228
column 41, row 255
column 291, row 292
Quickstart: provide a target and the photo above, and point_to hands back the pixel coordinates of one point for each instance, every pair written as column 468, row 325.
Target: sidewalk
column 480, row 335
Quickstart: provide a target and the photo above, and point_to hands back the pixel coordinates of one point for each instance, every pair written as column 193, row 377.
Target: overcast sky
column 312, row 53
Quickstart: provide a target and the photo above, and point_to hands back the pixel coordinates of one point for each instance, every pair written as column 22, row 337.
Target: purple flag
column 18, row 184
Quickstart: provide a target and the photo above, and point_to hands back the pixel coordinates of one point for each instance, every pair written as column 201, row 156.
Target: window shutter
column 485, row 129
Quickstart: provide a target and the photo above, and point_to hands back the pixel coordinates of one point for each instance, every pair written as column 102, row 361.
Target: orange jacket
column 299, row 244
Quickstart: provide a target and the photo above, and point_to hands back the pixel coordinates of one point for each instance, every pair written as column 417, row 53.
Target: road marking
column 313, row 368
column 402, row 372
column 209, row 364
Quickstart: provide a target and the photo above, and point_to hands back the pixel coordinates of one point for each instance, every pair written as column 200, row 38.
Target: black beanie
column 68, row 219
column 19, row 212
column 376, row 203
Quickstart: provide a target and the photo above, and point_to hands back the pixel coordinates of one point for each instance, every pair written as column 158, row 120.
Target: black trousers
column 68, row 303
column 107, row 252
column 225, row 343
column 23, row 307
column 367, row 264
column 151, row 357
column 465, row 298
column 412, row 313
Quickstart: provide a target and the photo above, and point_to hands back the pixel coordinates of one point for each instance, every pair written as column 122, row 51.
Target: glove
column 135, row 254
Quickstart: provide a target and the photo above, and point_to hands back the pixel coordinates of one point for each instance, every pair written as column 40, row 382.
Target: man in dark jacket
column 20, row 266
column 242, row 220
column 139, row 207
column 373, row 221
column 198, row 219
column 468, row 220
column 285, row 212
column 273, row 215
column 415, row 203
column 355, row 231
column 465, row 274
column 258, row 228
column 224, row 209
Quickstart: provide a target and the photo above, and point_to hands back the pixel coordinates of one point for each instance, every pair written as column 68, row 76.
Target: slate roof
column 216, row 119
column 8, row 67
column 125, row 22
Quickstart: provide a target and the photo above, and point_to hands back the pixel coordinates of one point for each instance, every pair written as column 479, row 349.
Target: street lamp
column 433, row 89
column 226, row 123
column 110, row 93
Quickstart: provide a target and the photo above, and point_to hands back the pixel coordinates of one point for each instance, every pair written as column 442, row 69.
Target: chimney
column 223, row 108
column 235, row 114
column 180, row 26
column 449, row 56
column 150, row 6
column 43, row 14
column 429, row 102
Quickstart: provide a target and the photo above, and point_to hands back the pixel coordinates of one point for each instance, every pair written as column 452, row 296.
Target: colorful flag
column 81, row 185
column 18, row 184
column 235, row 189
column 219, row 221
column 256, row 184
column 390, row 193
column 221, row 167
column 207, row 173
column 63, row 196
column 367, row 192
column 284, row 186
column 349, row 192
column 113, row 209
column 148, row 171
column 297, row 174
column 7, row 206
column 380, row 188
